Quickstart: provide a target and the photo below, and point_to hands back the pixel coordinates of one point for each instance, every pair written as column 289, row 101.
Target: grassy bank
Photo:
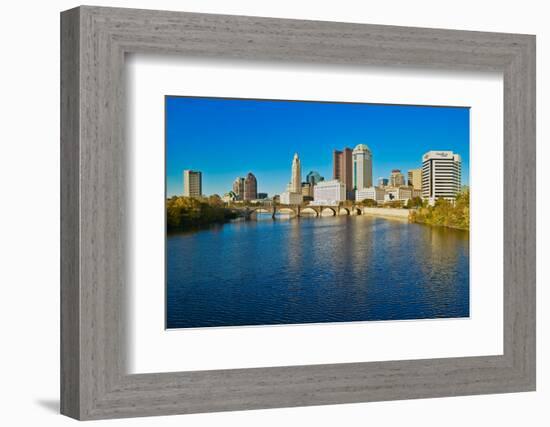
column 445, row 213
column 183, row 213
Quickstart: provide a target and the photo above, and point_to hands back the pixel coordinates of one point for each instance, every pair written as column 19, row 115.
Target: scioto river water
column 311, row 270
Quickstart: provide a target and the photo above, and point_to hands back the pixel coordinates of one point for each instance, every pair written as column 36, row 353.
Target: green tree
column 215, row 200
column 370, row 203
column 393, row 204
column 415, row 202
column 446, row 213
column 185, row 212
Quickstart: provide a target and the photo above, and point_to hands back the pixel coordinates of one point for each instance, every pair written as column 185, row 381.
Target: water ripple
column 310, row 270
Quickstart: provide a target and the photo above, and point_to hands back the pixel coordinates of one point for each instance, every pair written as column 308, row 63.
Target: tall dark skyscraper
column 250, row 187
column 342, row 169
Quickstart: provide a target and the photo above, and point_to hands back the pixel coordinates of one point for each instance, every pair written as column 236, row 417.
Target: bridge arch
column 324, row 209
column 344, row 211
column 310, row 210
column 287, row 210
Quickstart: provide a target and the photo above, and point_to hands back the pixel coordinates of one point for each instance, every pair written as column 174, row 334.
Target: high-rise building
column 192, row 183
column 415, row 179
column 382, row 182
column 238, row 188
column 362, row 167
column 441, row 175
column 293, row 195
column 314, row 178
column 397, row 179
column 342, row 169
column 250, row 187
column 296, row 176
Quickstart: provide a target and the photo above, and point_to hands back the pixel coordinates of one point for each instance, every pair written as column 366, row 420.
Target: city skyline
column 226, row 138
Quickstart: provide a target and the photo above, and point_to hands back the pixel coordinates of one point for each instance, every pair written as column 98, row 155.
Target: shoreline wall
column 387, row 212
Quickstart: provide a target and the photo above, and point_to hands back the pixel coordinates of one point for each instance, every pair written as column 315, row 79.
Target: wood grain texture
column 70, row 260
column 94, row 382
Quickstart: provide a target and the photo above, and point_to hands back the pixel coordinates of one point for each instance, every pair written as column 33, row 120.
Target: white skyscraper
column 441, row 175
column 362, row 167
column 293, row 195
column 296, row 178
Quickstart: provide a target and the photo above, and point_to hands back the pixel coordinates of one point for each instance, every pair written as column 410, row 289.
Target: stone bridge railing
column 321, row 210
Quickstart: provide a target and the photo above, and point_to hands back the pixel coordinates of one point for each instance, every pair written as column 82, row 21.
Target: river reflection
column 331, row 269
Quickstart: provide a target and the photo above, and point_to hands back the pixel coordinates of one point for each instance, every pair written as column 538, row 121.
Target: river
column 311, row 270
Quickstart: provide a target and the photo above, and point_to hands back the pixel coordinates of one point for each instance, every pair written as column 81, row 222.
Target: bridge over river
column 319, row 210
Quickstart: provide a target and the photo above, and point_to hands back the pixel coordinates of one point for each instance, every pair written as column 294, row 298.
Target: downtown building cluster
column 352, row 180
column 244, row 189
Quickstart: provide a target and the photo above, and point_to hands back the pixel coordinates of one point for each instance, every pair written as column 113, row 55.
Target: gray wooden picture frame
column 94, row 381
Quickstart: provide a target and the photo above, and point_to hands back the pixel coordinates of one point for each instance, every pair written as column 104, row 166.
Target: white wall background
column 29, row 212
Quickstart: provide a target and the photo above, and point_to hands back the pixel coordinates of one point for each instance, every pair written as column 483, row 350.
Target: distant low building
column 331, row 192
column 416, row 192
column 229, row 197
column 401, row 194
column 264, row 202
column 382, row 182
column 262, row 195
column 373, row 193
column 291, row 198
column 307, row 189
column 314, row 178
column 397, row 179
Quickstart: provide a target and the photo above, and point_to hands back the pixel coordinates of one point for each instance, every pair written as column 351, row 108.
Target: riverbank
column 185, row 213
column 394, row 213
column 446, row 213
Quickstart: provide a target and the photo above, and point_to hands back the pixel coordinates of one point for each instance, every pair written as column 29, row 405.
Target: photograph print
column 287, row 212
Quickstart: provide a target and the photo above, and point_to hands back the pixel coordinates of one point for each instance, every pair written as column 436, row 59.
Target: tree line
column 446, row 213
column 187, row 212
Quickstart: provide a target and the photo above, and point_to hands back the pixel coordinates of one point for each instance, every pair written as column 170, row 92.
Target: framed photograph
column 246, row 245
column 261, row 213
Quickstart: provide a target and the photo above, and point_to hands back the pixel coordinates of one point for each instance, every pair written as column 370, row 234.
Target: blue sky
column 226, row 138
